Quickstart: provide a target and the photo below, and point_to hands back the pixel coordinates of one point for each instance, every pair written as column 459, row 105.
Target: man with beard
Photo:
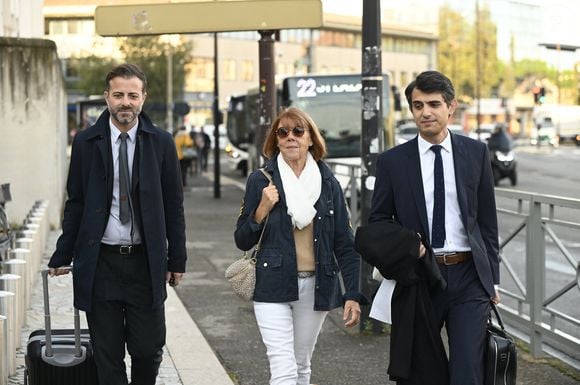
column 124, row 229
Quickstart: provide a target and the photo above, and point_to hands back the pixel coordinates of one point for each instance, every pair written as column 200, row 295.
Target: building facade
column 334, row 48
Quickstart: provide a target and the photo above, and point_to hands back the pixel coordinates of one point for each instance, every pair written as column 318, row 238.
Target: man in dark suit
column 446, row 194
column 124, row 228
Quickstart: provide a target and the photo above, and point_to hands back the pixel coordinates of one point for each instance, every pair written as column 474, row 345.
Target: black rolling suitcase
column 61, row 356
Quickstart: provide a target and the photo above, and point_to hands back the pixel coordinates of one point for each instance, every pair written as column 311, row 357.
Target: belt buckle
column 445, row 255
column 125, row 249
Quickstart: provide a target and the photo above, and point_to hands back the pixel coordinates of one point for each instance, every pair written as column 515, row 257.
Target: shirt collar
column 425, row 146
column 115, row 132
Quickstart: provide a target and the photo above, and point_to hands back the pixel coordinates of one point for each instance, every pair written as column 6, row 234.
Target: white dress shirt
column 456, row 237
column 117, row 233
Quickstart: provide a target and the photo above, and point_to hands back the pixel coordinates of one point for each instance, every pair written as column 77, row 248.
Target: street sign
column 207, row 16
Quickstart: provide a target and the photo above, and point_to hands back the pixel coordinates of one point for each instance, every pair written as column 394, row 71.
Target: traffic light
column 536, row 92
column 542, row 97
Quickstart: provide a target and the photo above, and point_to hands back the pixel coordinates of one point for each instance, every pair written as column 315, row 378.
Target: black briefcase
column 500, row 354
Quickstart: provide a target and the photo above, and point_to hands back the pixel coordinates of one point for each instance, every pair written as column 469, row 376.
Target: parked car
column 456, row 129
column 237, row 158
column 406, row 132
column 483, row 132
column 545, row 133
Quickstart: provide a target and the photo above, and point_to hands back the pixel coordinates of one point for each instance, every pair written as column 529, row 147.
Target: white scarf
column 301, row 192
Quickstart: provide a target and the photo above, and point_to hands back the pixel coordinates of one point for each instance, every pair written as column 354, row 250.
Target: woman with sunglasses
column 307, row 242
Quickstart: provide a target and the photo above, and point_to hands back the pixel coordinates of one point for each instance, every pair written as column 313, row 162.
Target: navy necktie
column 124, row 183
column 438, row 225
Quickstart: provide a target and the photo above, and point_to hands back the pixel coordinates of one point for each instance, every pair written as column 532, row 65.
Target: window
column 202, row 68
column 229, row 70
column 247, row 70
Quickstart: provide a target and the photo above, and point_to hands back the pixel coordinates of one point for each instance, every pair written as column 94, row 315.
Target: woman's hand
column 270, row 197
column 351, row 314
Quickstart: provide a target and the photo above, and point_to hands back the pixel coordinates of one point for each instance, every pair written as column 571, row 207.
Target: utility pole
column 478, row 69
column 372, row 131
column 216, row 120
column 170, row 88
column 267, row 94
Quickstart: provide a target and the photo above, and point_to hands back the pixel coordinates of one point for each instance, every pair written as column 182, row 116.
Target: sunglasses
column 283, row 132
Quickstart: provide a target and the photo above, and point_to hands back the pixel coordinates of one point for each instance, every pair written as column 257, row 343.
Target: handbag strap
column 269, row 177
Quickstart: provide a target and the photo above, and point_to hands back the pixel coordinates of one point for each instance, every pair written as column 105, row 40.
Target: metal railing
column 544, row 222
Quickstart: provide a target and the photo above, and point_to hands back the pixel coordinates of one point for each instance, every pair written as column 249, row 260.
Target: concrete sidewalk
column 188, row 359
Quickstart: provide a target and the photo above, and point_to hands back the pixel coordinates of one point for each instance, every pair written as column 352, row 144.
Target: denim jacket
column 276, row 271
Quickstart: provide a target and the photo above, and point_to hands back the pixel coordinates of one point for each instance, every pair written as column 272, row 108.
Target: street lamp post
column 171, row 41
column 170, row 89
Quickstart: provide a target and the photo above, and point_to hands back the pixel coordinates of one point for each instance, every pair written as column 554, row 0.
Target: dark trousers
column 184, row 164
column 122, row 316
column 463, row 308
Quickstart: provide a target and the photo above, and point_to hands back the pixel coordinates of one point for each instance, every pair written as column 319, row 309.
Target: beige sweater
column 304, row 241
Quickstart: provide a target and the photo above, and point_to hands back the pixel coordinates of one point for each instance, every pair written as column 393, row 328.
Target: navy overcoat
column 90, row 189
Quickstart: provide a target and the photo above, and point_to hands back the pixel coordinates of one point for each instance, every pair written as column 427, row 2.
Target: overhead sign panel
column 207, row 16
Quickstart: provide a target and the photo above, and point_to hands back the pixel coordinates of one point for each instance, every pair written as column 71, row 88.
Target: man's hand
column 496, row 298
column 351, row 313
column 422, row 250
column 53, row 272
column 173, row 278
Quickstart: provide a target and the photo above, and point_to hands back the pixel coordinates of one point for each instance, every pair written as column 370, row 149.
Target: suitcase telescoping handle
column 60, row 356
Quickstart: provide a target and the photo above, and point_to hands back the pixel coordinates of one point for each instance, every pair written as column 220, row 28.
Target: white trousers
column 289, row 331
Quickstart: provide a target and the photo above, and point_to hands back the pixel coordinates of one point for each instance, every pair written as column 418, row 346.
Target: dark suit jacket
column 417, row 352
column 399, row 194
column 156, row 185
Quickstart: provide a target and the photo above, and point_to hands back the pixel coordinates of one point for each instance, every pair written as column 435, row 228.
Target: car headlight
column 504, row 157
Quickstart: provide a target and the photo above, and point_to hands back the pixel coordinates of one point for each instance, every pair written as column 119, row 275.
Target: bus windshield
column 334, row 103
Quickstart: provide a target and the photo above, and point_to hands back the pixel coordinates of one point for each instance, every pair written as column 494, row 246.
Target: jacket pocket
column 269, row 259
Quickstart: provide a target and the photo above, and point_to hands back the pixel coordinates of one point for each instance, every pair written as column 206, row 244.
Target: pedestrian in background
column 184, row 147
column 124, row 173
column 440, row 185
column 307, row 244
column 205, row 149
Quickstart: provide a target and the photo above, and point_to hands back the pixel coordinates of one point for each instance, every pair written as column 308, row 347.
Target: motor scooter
column 503, row 157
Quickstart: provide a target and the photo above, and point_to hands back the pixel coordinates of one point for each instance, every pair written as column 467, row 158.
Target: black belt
column 121, row 249
column 453, row 258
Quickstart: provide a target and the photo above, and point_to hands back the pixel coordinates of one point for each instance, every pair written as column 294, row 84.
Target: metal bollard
column 7, row 310
column 18, row 267
column 29, row 275
column 40, row 220
column 3, row 351
column 36, row 251
column 13, row 284
column 28, row 244
column 38, row 234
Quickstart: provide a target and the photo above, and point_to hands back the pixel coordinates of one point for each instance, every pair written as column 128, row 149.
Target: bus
column 333, row 102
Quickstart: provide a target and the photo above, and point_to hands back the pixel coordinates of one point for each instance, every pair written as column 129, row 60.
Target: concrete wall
column 33, row 129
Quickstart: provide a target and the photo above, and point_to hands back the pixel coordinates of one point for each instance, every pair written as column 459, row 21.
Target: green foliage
column 457, row 53
column 92, row 71
column 150, row 53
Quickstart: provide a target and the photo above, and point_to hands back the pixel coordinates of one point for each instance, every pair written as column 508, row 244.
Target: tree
column 150, row 53
column 457, row 53
column 454, row 56
column 486, row 32
column 92, row 70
